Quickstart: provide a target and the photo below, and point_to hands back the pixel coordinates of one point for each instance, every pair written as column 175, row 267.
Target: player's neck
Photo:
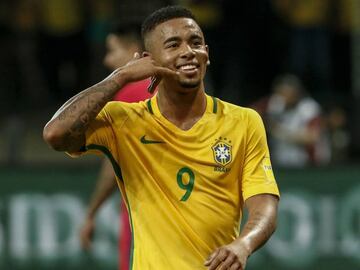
column 182, row 109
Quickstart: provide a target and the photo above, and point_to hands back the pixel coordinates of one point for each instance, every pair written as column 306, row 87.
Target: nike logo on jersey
column 146, row 141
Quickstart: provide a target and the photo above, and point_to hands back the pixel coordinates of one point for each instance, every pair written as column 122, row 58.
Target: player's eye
column 197, row 43
column 172, row 45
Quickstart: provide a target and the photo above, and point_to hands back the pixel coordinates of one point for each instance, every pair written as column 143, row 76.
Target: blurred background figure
column 338, row 132
column 295, row 125
column 121, row 43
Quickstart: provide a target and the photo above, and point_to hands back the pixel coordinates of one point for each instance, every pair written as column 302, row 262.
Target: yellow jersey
column 184, row 190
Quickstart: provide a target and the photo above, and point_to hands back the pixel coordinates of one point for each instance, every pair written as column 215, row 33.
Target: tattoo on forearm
column 81, row 123
column 68, row 113
column 85, row 106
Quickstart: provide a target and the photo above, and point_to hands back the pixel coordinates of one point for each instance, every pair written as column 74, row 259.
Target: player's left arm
column 260, row 225
column 258, row 184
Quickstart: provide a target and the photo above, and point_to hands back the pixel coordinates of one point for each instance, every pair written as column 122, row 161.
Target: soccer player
column 121, row 44
column 186, row 163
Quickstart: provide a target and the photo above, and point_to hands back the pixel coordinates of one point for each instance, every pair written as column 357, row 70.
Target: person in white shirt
column 295, row 125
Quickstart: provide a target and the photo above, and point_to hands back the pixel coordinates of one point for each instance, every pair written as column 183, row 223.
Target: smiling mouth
column 189, row 68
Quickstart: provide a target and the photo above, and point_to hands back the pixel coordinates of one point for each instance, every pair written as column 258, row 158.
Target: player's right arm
column 66, row 129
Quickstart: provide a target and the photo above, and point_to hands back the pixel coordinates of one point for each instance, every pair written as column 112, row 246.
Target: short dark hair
column 162, row 15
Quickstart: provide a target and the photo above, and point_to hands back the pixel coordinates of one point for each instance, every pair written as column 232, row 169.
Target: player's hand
column 87, row 233
column 140, row 68
column 229, row 257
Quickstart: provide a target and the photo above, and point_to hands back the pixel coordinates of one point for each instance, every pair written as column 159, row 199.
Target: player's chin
column 190, row 84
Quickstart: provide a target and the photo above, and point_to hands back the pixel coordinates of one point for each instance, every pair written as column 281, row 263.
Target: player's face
column 179, row 45
column 118, row 52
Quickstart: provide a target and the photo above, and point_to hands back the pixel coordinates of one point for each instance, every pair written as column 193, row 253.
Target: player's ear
column 145, row 53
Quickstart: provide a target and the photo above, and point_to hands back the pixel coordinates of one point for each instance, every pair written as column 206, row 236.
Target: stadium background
column 43, row 194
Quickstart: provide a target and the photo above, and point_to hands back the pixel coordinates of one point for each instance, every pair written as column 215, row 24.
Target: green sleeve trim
column 108, row 154
column 214, row 105
column 131, row 259
column 149, row 106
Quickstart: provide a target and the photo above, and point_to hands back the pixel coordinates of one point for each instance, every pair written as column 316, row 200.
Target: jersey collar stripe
column 108, row 154
column 214, row 105
column 149, row 106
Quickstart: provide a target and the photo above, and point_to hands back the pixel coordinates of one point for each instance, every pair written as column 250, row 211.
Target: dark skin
column 176, row 58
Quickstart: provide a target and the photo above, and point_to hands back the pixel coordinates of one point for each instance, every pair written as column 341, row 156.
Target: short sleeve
column 100, row 136
column 257, row 173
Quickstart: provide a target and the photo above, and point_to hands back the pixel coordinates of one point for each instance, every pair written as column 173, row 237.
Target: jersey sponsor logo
column 143, row 140
column 222, row 152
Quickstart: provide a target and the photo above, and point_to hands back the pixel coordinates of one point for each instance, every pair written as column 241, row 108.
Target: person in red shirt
column 121, row 44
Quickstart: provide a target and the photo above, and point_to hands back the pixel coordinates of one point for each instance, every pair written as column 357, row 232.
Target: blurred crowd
column 289, row 59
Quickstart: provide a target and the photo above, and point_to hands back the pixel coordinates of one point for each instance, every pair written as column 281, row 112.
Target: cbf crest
column 222, row 151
